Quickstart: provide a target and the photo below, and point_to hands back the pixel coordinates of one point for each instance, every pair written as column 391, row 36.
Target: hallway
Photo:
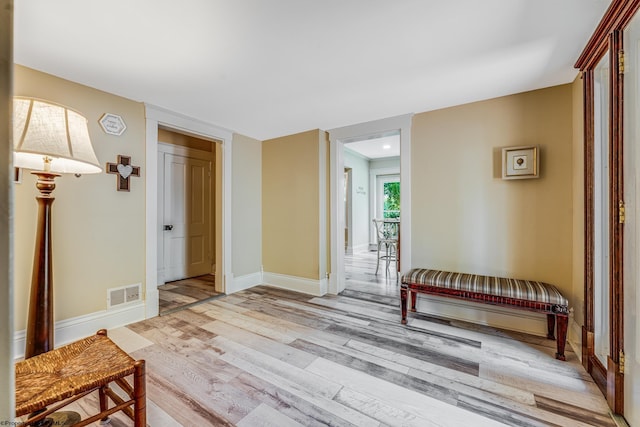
column 360, row 276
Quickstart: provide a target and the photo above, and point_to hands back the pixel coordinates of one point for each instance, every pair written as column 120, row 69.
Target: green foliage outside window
column 392, row 200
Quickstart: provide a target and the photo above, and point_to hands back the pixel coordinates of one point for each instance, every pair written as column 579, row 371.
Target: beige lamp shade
column 44, row 130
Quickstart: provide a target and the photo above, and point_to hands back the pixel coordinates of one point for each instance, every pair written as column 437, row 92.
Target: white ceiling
column 268, row 68
column 377, row 147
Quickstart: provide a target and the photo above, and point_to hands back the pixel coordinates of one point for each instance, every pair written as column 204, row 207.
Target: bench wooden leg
column 139, row 395
column 104, row 402
column 403, row 304
column 562, row 321
column 551, row 326
column 414, row 299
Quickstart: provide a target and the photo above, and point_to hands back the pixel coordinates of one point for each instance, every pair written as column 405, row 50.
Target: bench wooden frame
column 50, row 381
column 556, row 313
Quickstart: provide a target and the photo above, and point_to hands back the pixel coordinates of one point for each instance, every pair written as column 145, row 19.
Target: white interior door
column 187, row 196
column 631, row 227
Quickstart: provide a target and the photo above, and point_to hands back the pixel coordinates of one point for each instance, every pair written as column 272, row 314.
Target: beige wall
column 246, row 222
column 290, row 205
column 465, row 218
column 98, row 232
column 577, row 294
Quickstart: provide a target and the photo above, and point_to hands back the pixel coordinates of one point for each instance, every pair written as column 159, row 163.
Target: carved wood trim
column 589, row 180
column 608, row 36
column 617, row 194
column 587, row 349
column 598, row 373
column 616, row 17
column 615, row 387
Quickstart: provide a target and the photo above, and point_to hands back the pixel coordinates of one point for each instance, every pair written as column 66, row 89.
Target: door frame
column 337, row 138
column 155, row 117
column 607, row 37
column 348, row 209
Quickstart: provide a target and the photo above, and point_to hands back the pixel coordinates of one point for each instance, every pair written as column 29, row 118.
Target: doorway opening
column 157, row 118
column 344, row 143
column 187, row 217
column 372, row 195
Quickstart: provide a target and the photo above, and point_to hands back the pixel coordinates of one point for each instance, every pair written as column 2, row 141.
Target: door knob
column 168, row 227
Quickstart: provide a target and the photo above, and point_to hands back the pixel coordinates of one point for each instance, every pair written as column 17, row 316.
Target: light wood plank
column 266, row 416
column 399, row 397
column 274, row 356
column 257, row 342
column 293, row 384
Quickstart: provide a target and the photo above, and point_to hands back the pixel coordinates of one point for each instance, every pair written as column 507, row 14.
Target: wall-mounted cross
column 124, row 170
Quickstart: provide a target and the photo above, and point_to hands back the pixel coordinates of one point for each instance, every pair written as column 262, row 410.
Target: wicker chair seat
column 70, row 371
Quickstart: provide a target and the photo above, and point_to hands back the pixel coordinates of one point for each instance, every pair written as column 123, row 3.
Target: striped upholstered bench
column 515, row 293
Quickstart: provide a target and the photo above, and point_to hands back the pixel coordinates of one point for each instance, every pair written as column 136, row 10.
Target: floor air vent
column 123, row 295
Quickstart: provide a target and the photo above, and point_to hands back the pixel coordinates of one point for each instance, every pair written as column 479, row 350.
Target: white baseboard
column 160, row 277
column 70, row 330
column 298, row 284
column 484, row 314
column 574, row 337
column 152, row 302
column 243, row 282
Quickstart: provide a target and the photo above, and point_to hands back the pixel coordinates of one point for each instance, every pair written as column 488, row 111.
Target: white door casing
column 155, row 117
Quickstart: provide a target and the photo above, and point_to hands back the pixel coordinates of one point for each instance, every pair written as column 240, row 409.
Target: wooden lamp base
column 40, row 321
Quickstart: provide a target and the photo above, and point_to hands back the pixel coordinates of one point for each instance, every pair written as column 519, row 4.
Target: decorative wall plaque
column 112, row 124
column 124, row 171
column 520, row 162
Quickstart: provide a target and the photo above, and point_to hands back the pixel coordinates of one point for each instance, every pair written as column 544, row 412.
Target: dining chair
column 387, row 236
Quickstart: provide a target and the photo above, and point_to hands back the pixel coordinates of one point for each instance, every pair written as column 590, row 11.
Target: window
column 388, row 196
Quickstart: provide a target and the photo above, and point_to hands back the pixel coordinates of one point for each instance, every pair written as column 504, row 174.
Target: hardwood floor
column 271, row 357
column 186, row 293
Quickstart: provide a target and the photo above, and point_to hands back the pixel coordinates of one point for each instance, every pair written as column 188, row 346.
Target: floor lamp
column 50, row 139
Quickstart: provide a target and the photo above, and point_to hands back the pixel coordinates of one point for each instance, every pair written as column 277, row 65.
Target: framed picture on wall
column 520, row 162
